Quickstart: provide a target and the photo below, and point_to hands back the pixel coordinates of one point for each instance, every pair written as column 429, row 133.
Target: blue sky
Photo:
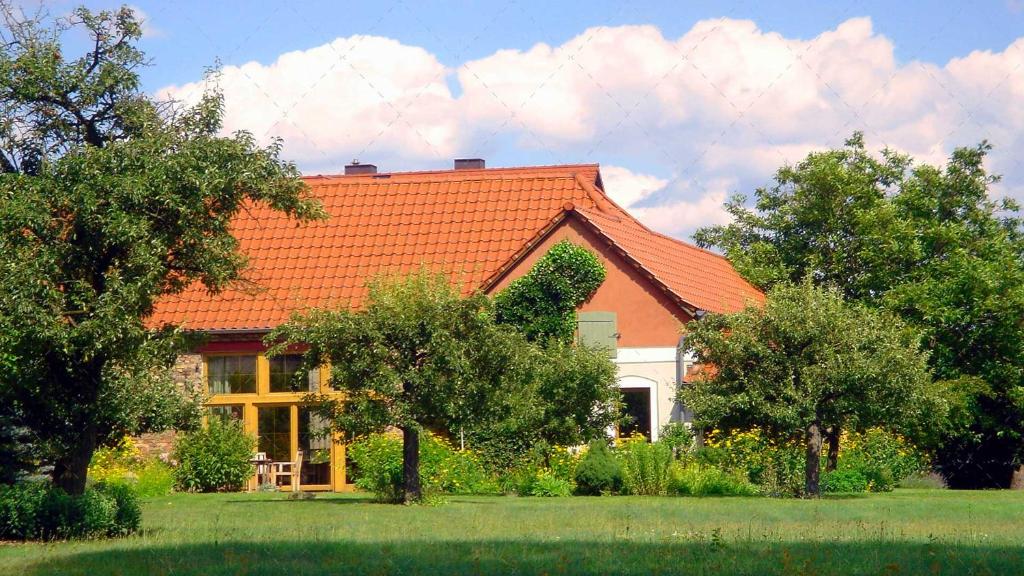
column 683, row 103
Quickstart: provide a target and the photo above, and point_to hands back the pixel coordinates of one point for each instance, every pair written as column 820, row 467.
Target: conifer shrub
column 598, row 471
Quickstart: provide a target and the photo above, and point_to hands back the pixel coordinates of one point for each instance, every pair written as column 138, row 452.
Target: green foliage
column 696, row 479
column 124, row 463
column 548, row 484
column 542, row 303
column 882, row 458
column 215, row 458
column 844, row 481
column 443, row 469
column 598, row 471
column 645, row 467
column 776, row 467
column 109, row 200
column 418, row 355
column 678, row 437
column 930, row 244
column 807, row 362
column 41, row 511
column 128, row 514
column 572, row 398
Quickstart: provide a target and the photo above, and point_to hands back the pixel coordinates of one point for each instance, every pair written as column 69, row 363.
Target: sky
column 682, row 103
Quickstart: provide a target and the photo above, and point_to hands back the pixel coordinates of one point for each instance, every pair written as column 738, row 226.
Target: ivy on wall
column 543, row 303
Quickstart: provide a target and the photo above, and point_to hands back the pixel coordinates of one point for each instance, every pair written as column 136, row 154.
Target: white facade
column 656, row 370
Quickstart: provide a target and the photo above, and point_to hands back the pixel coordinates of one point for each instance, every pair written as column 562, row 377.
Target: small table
column 263, row 470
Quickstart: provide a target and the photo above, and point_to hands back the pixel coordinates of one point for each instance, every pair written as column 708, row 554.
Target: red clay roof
column 468, row 223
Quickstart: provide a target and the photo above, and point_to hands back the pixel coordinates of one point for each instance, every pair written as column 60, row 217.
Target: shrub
column 645, row 467
column 881, row 457
column 924, row 481
column 598, row 472
column 214, row 459
column 777, row 468
column 546, row 483
column 37, row 510
column 124, row 463
column 694, row 479
column 443, row 469
column 678, row 437
column 840, row 481
column 155, row 478
column 128, row 514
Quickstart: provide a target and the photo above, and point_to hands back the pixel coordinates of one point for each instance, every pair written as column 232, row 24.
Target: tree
column 575, row 396
column 807, row 362
column 926, row 243
column 416, row 356
column 109, row 200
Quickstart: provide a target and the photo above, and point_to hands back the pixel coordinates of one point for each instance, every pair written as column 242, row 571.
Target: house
column 482, row 226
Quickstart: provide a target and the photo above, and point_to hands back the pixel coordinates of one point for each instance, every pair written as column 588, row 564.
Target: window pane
column 315, row 443
column 274, row 428
column 226, row 413
column 285, row 374
column 231, row 374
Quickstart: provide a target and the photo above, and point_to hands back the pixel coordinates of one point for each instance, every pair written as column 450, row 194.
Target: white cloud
column 361, row 96
column 718, row 108
column 627, row 187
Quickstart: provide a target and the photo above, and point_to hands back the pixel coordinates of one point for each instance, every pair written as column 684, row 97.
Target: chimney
column 356, row 168
column 469, row 164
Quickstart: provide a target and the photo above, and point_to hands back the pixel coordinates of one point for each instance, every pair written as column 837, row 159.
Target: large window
column 232, row 413
column 231, row 374
column 286, row 374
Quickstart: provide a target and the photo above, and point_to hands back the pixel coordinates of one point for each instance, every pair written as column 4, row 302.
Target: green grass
column 906, row 532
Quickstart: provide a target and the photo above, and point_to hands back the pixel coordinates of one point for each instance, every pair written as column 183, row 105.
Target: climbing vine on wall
column 543, row 303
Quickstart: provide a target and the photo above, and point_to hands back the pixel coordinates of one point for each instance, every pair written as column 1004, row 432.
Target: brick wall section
column 187, row 373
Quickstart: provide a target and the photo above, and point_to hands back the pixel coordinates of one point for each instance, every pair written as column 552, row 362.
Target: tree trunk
column 71, row 469
column 812, row 468
column 411, row 464
column 833, row 449
column 1017, row 480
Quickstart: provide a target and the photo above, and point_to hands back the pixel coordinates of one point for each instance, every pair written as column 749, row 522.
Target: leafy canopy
column 808, row 361
column 927, row 243
column 109, row 200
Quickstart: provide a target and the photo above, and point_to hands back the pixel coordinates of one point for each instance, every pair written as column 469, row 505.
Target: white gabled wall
column 653, row 368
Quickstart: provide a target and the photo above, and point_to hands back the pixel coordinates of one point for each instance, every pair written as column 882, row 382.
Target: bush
column 777, row 469
column 41, row 511
column 128, row 515
column 443, row 469
column 215, row 458
column 598, row 472
column 678, row 437
column 155, row 478
column 125, row 463
column 548, row 484
column 881, row 457
column 843, row 481
column 694, row 479
column 645, row 467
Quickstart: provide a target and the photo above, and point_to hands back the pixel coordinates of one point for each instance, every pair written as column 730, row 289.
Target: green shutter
column 599, row 330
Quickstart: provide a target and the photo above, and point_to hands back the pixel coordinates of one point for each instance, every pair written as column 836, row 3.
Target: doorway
column 636, row 407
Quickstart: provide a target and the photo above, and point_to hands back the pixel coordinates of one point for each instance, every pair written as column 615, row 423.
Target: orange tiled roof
column 468, row 223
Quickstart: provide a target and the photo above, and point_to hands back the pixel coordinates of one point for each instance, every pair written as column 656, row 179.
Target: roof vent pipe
column 356, row 168
column 469, row 164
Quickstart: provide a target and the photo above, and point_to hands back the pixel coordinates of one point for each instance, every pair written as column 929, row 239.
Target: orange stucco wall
column 646, row 317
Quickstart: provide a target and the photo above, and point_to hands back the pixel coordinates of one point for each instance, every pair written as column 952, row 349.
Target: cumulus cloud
column 363, row 96
column 712, row 112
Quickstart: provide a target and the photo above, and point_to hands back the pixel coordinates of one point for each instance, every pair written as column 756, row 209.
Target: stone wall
column 188, row 374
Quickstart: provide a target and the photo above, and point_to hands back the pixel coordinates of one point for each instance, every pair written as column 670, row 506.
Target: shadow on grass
column 702, row 555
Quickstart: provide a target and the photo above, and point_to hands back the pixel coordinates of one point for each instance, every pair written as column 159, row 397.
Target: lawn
column 906, row 532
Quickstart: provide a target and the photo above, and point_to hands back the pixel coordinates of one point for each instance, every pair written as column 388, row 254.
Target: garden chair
column 292, row 469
